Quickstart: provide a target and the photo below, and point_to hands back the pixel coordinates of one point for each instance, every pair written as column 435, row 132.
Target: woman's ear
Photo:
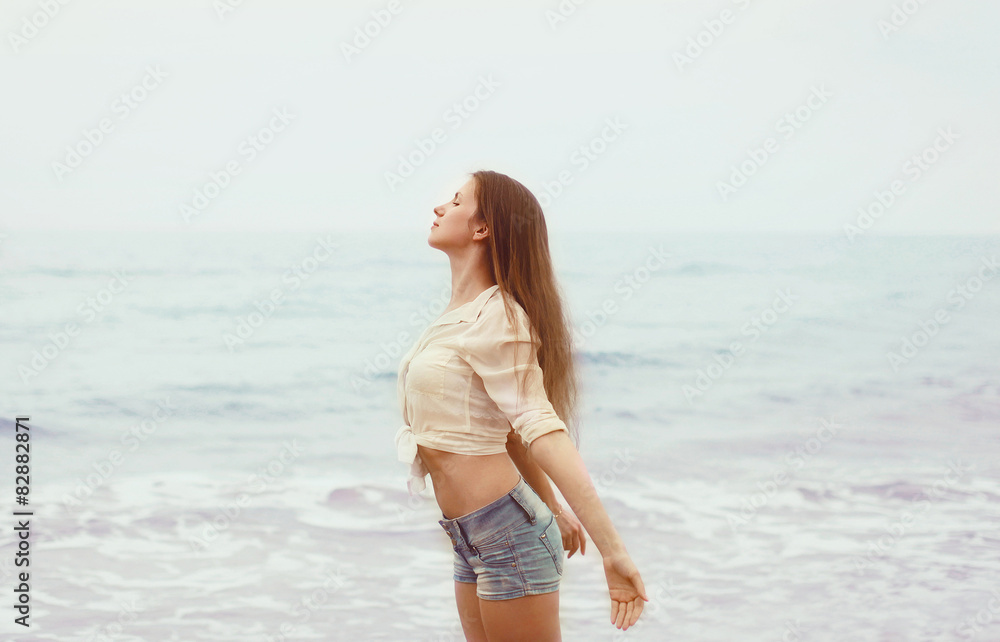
column 482, row 228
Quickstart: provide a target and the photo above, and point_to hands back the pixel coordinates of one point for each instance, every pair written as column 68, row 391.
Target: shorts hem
column 516, row 594
column 463, row 580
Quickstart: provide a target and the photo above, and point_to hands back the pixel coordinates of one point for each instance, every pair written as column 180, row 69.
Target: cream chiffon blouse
column 456, row 385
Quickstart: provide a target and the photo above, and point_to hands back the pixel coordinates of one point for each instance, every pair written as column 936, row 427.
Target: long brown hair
column 521, row 265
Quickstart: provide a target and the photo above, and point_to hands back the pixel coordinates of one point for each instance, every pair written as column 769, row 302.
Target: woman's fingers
column 628, row 593
column 574, row 535
column 625, row 614
column 577, row 543
column 638, row 611
column 573, row 540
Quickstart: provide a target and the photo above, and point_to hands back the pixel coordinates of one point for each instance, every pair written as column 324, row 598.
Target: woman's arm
column 574, row 537
column 531, row 472
column 558, row 458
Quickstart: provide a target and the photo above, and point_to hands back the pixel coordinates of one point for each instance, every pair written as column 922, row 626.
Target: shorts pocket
column 552, row 538
column 497, row 552
column 492, row 539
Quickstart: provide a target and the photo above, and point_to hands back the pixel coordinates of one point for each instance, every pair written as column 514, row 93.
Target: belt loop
column 524, row 503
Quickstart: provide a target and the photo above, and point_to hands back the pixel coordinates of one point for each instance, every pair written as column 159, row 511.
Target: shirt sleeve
column 499, row 355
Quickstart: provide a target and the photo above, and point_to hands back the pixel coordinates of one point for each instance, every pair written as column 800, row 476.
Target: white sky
column 556, row 88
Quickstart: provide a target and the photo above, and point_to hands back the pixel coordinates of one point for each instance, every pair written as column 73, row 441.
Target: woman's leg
column 468, row 611
column 533, row 617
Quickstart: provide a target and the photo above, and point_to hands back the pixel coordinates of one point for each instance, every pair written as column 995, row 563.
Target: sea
column 797, row 436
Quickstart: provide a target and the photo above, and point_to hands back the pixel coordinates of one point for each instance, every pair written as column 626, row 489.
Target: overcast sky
column 658, row 116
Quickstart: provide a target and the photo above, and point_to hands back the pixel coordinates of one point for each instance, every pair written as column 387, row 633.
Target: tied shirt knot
column 406, row 450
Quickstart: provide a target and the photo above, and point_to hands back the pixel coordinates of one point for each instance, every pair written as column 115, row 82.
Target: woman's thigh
column 533, row 617
column 468, row 612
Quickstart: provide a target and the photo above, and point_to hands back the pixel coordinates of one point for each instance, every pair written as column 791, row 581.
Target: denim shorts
column 510, row 548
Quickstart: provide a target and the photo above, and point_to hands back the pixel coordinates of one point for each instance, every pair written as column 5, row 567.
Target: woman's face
column 453, row 220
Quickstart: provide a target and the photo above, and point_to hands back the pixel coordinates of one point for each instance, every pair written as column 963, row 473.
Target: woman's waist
column 464, row 483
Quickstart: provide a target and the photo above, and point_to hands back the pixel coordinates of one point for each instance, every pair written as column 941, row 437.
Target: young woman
column 483, row 392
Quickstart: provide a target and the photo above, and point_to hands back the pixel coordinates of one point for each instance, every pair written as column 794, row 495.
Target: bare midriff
column 464, row 483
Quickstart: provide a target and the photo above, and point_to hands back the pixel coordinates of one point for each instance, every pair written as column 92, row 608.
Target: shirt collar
column 467, row 312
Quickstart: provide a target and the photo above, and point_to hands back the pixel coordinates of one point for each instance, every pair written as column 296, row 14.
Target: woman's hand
column 573, row 535
column 626, row 588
